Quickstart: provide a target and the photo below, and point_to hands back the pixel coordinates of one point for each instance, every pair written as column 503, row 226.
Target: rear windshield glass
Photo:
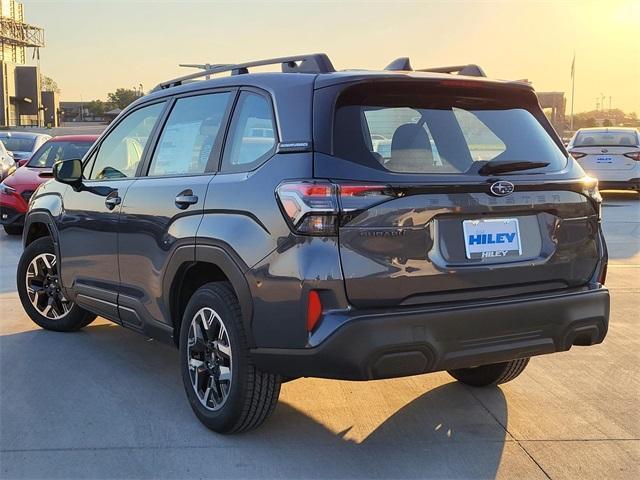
column 606, row 139
column 52, row 152
column 15, row 144
column 412, row 133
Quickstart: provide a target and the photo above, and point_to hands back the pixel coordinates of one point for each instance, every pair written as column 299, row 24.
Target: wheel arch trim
column 229, row 263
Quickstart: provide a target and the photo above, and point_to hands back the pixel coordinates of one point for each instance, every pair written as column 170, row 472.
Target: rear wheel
column 493, row 374
column 226, row 391
column 13, row 229
column 41, row 293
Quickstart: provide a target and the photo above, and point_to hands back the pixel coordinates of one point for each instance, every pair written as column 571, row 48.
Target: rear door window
column 190, row 135
column 419, row 134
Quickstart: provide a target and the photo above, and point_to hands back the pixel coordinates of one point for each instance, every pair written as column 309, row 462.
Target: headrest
column 410, row 149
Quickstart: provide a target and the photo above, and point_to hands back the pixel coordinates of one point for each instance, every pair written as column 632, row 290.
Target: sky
column 94, row 47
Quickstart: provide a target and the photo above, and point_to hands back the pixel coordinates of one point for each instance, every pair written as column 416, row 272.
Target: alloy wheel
column 209, row 358
column 43, row 287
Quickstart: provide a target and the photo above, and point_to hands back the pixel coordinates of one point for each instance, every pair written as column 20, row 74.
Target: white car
column 612, row 155
column 7, row 163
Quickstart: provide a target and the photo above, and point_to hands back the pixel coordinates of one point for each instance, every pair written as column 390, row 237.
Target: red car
column 18, row 187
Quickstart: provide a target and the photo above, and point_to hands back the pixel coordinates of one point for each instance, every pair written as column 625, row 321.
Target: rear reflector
column 314, row 310
column 603, row 275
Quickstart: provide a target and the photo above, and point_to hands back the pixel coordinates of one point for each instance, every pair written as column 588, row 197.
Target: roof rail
column 310, row 63
column 403, row 64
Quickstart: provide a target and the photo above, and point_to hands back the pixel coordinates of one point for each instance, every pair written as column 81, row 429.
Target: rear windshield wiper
column 502, row 167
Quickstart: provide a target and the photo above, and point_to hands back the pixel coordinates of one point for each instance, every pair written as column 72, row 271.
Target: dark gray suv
column 353, row 225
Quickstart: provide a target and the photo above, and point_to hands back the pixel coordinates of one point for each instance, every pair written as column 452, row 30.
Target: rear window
column 419, row 133
column 606, row 139
column 15, row 144
column 53, row 152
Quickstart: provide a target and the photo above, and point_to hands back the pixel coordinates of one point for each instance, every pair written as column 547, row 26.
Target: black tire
column 252, row 394
column 493, row 374
column 13, row 229
column 74, row 319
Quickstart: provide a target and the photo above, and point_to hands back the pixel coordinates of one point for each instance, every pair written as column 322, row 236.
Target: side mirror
column 69, row 172
column 22, row 163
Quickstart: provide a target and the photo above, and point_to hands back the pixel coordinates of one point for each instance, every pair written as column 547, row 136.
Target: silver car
column 22, row 144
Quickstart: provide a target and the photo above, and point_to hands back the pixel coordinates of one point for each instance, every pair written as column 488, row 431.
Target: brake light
column 633, row 155
column 314, row 310
column 577, row 155
column 316, row 207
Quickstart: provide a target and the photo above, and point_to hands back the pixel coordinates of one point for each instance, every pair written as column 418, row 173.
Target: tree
column 123, row 97
column 606, row 123
column 49, row 84
column 591, row 122
column 97, row 107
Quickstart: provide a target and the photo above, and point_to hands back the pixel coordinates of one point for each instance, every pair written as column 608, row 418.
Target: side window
column 190, row 134
column 121, row 151
column 251, row 138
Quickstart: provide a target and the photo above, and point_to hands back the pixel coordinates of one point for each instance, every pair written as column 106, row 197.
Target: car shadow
column 106, row 388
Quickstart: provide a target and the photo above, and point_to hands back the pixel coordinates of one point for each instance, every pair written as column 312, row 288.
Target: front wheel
column 226, row 391
column 493, row 374
column 40, row 291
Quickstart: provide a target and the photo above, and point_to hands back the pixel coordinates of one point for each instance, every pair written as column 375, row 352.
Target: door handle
column 186, row 198
column 112, row 201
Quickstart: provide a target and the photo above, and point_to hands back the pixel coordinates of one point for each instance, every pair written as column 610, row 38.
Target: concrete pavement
column 108, row 403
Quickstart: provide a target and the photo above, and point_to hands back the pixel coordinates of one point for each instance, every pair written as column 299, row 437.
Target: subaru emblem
column 500, row 189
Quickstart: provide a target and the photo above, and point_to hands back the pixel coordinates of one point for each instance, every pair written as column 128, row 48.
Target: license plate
column 604, row 159
column 491, row 238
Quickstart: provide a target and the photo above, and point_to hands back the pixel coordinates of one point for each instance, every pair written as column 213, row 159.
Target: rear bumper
column 631, row 184
column 364, row 346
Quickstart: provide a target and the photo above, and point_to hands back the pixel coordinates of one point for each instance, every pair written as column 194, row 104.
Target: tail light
column 591, row 190
column 633, row 155
column 577, row 155
column 317, row 207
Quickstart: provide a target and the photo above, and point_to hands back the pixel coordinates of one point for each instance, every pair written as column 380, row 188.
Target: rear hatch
column 601, row 151
column 465, row 193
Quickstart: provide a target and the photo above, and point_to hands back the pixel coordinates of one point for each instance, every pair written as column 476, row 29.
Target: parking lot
column 106, row 402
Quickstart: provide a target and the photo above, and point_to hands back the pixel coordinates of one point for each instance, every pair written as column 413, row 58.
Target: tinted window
column 15, row 144
column 251, row 138
column 606, row 139
column 53, row 152
column 120, row 152
column 407, row 133
column 189, row 135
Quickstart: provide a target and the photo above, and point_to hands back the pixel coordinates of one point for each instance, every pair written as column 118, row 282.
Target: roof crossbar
column 470, row 70
column 310, row 63
column 403, row 64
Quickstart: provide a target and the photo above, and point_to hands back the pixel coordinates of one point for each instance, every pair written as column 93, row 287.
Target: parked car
column 303, row 252
column 22, row 144
column 612, row 155
column 7, row 163
column 16, row 189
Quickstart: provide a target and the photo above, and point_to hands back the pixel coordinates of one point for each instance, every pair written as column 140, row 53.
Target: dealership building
column 22, row 99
